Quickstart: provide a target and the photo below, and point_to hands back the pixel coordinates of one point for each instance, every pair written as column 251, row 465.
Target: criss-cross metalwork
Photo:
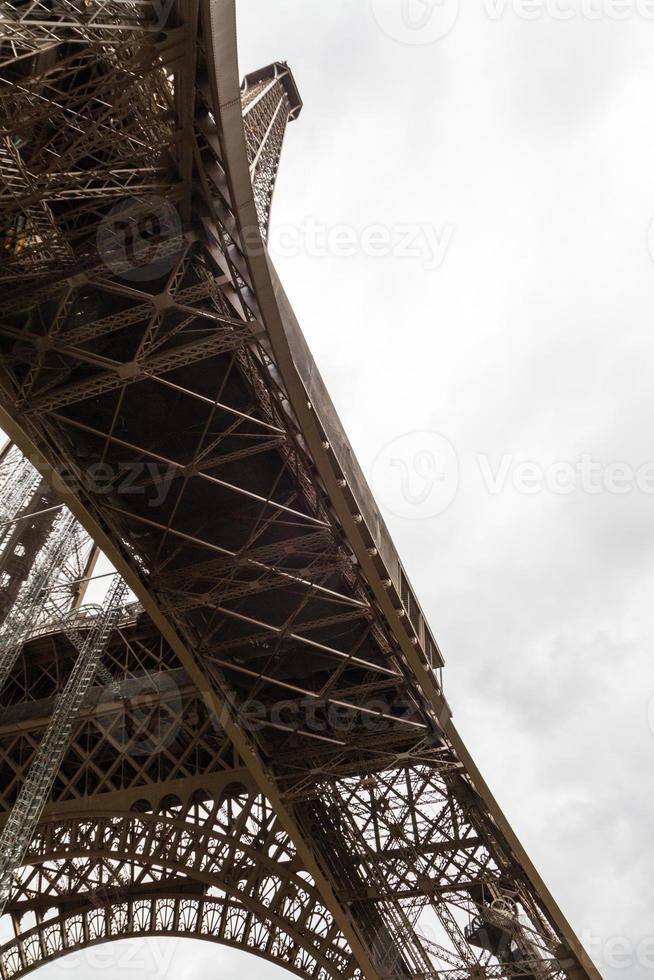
column 269, row 760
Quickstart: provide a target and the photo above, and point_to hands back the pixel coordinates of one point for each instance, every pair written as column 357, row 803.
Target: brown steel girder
column 329, row 628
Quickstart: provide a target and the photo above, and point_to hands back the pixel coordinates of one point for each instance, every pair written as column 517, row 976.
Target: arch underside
column 215, row 867
column 219, row 870
column 222, row 921
column 199, row 852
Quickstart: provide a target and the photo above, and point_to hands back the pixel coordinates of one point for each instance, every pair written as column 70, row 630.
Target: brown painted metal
column 279, row 696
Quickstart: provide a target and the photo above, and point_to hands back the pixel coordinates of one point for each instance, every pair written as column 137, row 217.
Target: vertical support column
column 270, row 101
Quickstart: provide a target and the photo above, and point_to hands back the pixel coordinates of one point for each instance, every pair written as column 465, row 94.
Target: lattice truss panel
column 221, row 869
column 34, row 523
column 135, row 355
column 266, row 112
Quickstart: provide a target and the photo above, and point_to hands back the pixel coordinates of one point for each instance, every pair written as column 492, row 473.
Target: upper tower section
column 270, row 101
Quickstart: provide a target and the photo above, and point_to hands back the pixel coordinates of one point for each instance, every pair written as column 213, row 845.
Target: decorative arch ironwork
column 219, row 869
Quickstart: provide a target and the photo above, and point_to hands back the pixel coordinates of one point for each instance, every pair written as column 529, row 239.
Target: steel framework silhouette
column 265, row 758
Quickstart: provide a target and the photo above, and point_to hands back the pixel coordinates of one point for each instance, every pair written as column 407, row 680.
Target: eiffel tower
column 245, row 741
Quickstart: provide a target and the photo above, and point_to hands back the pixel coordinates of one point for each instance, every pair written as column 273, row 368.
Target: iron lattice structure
column 268, row 760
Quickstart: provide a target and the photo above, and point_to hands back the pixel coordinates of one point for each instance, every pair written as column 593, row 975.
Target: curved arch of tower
column 256, row 751
column 214, row 866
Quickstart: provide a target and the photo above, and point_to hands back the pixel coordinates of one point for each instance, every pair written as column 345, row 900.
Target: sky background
column 518, row 154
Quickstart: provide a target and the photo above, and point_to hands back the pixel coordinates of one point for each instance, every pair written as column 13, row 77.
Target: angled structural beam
column 158, row 335
column 325, row 437
column 35, row 791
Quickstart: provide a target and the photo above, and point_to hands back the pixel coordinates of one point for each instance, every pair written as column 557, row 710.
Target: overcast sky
column 513, row 159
